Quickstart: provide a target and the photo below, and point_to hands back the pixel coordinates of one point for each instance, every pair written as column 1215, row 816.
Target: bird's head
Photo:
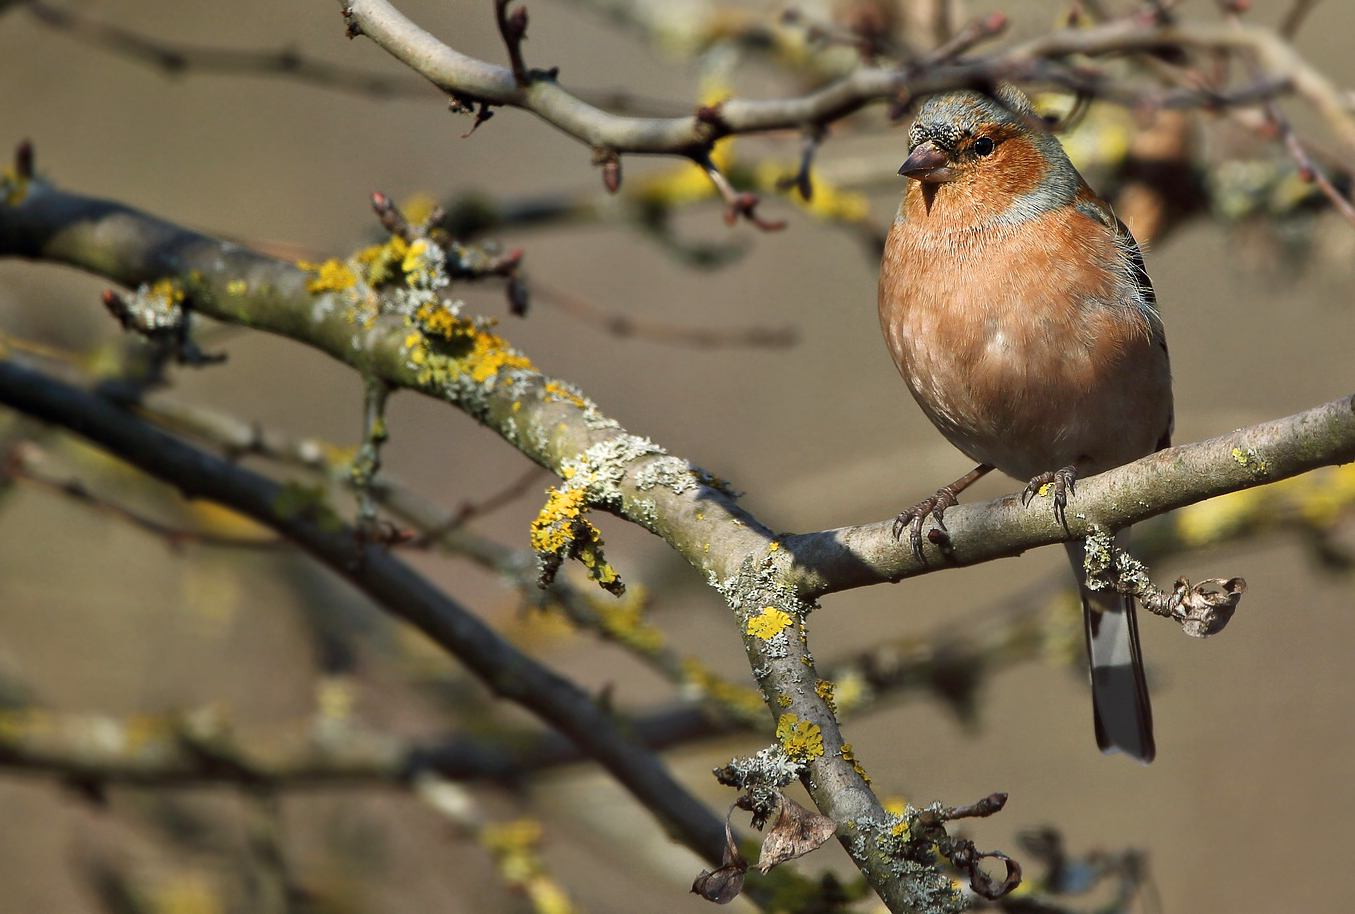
column 994, row 146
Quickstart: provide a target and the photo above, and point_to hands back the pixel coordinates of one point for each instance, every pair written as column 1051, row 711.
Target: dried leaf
column 1205, row 608
column 795, row 831
column 985, row 885
column 724, row 884
column 721, row 886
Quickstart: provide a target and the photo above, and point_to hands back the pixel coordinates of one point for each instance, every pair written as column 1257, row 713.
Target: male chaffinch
column 1018, row 311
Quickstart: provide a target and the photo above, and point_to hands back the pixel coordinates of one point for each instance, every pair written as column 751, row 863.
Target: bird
column 1018, row 311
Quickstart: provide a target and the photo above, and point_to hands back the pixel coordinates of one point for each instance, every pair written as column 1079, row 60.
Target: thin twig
column 1032, row 59
column 178, row 59
column 628, row 326
column 513, row 29
column 17, row 468
column 737, row 204
column 1294, row 19
column 1308, row 169
column 471, row 509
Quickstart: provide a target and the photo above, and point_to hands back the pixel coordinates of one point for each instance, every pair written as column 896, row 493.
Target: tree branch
column 387, row 580
column 851, row 557
column 769, row 581
column 646, row 485
column 1034, row 59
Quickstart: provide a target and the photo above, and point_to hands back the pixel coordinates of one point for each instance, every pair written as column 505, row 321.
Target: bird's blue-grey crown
column 947, row 119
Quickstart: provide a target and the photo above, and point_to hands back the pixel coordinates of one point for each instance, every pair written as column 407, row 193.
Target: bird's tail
column 1124, row 718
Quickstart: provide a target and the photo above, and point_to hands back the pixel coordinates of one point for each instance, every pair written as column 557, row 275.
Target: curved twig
column 465, row 77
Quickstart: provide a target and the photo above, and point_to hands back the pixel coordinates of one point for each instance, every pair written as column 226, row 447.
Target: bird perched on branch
column 1016, row 307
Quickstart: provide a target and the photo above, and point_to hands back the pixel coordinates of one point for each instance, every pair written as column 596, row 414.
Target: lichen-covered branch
column 769, row 581
column 384, row 578
column 850, row 557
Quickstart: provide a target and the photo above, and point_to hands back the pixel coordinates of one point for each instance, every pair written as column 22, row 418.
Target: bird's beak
column 928, row 164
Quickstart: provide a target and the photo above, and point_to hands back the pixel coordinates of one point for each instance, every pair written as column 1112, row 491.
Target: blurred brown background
column 1249, row 801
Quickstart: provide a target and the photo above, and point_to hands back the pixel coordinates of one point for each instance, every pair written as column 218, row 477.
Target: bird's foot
column 1064, row 483
column 913, row 518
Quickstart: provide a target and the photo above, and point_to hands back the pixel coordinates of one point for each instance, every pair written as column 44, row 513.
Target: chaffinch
column 1017, row 309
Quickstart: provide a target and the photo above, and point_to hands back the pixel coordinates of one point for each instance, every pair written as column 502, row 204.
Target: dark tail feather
column 1124, row 717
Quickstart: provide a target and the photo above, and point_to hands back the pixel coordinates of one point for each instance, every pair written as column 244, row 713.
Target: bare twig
column 802, row 180
column 737, row 204
column 628, row 326
column 1308, row 169
column 513, row 28
column 16, row 467
column 966, row 39
column 178, row 59
column 1036, row 58
column 1293, row 20
column 471, row 509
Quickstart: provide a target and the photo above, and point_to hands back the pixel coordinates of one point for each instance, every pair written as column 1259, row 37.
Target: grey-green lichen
column 672, row 473
column 601, row 469
column 770, row 767
column 1108, row 567
column 910, row 857
column 155, row 309
column 679, row 476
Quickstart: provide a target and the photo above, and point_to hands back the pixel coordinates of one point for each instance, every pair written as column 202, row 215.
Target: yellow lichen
column 473, row 352
column 335, row 697
column 1324, row 496
column 849, row 756
column 512, row 837
column 552, row 529
column 1247, row 457
column 492, row 355
column 515, row 847
column 850, row 690
column 417, row 207
column 824, row 689
column 381, row 263
column 330, row 276
column 589, row 553
column 768, row 623
column 1210, row 521
column 23, row 724
column 801, row 740
column 421, row 263
column 167, row 290
column 560, row 392
column 561, row 530
column 442, row 323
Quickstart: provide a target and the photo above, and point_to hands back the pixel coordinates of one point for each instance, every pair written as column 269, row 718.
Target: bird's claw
column 913, row 518
column 1064, row 482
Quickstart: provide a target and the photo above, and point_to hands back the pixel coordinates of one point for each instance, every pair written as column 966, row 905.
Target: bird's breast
column 1021, row 343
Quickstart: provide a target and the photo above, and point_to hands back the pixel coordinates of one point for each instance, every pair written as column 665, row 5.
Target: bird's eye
column 983, row 146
